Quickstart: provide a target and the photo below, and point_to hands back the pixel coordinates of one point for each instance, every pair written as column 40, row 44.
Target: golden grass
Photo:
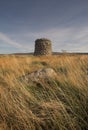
column 60, row 104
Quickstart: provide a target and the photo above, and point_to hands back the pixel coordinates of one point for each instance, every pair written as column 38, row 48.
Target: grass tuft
column 52, row 104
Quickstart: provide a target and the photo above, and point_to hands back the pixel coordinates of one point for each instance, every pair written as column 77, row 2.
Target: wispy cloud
column 70, row 39
column 9, row 41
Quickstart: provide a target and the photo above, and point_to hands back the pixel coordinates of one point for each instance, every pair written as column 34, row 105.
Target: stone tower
column 43, row 46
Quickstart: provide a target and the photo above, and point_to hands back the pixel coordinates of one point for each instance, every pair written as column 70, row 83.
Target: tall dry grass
column 60, row 104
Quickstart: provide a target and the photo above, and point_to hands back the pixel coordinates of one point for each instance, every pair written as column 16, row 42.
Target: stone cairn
column 43, row 47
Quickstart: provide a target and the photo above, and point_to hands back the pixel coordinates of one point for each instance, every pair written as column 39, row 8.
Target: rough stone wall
column 43, row 47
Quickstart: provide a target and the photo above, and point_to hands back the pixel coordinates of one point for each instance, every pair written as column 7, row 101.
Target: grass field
column 59, row 104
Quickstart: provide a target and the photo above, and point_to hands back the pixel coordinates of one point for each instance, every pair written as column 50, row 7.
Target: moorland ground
column 55, row 104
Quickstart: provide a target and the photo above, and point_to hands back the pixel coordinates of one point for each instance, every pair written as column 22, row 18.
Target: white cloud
column 8, row 40
column 71, row 39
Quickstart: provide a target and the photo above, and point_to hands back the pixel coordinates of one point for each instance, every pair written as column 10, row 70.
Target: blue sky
column 64, row 22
